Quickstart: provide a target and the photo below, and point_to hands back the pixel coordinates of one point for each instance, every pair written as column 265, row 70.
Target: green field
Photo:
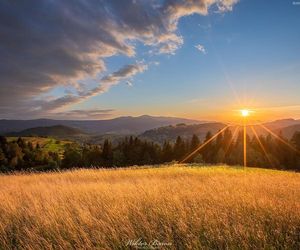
column 47, row 144
column 175, row 207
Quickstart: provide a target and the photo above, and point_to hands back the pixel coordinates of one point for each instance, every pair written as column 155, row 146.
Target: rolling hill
column 58, row 131
column 171, row 132
column 280, row 124
column 289, row 131
column 287, row 127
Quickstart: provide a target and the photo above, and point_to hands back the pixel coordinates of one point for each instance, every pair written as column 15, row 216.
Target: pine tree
column 194, row 143
column 179, row 149
column 207, row 151
column 296, row 139
column 3, row 140
column 167, row 152
column 219, row 156
column 107, row 153
column 219, row 141
column 3, row 160
column 227, row 139
column 192, row 146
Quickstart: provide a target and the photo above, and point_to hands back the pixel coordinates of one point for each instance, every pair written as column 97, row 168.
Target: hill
column 186, row 131
column 289, row 131
column 46, row 144
column 287, row 127
column 179, row 206
column 170, row 133
column 283, row 123
column 57, row 131
column 120, row 125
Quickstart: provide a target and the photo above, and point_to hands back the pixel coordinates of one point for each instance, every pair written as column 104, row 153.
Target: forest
column 263, row 151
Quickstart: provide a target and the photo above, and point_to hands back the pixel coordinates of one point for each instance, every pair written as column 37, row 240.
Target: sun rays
column 244, row 113
column 203, row 145
column 280, row 139
column 261, row 146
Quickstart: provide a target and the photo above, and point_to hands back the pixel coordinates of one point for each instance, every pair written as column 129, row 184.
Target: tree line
column 267, row 152
column 21, row 155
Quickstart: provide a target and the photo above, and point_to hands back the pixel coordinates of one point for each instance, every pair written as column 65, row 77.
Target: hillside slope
column 58, row 131
column 186, row 131
column 170, row 133
column 289, row 131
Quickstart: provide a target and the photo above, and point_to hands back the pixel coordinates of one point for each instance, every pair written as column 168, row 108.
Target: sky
column 198, row 59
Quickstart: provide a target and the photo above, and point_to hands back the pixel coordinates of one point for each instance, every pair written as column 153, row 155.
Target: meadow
column 174, row 207
column 47, row 144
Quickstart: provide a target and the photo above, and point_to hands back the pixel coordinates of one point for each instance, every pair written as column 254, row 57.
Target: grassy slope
column 192, row 208
column 47, row 143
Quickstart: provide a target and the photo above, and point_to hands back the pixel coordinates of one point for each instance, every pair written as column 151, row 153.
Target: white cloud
column 201, row 48
column 127, row 71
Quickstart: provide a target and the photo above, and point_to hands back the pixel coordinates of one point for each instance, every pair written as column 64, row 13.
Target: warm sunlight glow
column 245, row 112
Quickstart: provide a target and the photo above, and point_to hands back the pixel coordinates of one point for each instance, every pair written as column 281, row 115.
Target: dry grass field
column 176, row 207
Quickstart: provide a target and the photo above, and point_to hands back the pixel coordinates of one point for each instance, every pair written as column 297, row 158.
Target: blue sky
column 256, row 47
column 251, row 59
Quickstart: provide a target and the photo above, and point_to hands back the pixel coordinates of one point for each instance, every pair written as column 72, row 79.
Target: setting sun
column 245, row 112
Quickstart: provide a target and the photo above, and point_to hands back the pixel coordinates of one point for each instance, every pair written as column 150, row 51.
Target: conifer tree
column 107, row 153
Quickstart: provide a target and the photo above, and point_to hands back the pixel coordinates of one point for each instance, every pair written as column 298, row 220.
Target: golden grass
column 189, row 208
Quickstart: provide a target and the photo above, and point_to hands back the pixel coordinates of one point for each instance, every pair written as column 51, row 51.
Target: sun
column 245, row 112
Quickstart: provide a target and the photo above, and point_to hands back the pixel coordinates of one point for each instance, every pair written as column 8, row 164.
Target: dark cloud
column 50, row 43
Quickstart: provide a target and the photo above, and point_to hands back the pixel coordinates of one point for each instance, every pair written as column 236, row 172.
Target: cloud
column 205, row 26
column 125, row 72
column 106, row 82
column 50, row 43
column 200, row 48
column 50, row 107
column 129, row 83
column 85, row 114
column 170, row 47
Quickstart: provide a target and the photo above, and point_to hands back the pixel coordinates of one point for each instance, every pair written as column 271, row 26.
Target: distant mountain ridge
column 57, row 130
column 157, row 129
column 120, row 125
